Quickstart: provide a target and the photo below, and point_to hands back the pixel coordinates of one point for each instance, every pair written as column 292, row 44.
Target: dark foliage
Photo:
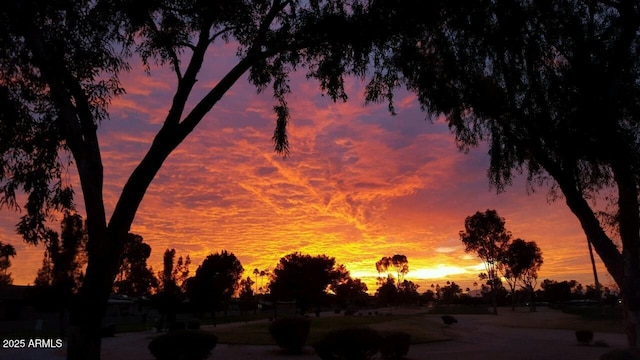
column 387, row 293
column 135, row 278
column 215, row 281
column 552, row 87
column 290, row 334
column 6, row 251
column 171, row 281
column 350, row 292
column 349, row 344
column 398, row 262
column 183, row 345
column 395, row 345
column 556, row 292
column 485, row 235
column 305, row 278
column 64, row 258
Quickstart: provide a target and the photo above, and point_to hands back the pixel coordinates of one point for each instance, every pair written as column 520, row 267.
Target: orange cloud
column 359, row 184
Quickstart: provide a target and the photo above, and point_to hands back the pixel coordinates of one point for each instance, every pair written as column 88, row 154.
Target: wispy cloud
column 359, row 184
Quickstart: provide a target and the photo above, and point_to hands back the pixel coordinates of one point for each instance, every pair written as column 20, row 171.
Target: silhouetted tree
column 349, row 292
column 135, row 278
column 397, row 262
column 428, row 297
column 553, row 87
column 450, row 292
column 387, row 291
column 408, row 293
column 558, row 291
column 62, row 267
column 7, row 251
column 61, row 62
column 263, row 273
column 520, row 264
column 174, row 273
column 64, row 256
column 486, row 236
column 256, row 272
column 171, row 281
column 215, row 282
column 593, row 292
column 305, row 279
column 247, row 297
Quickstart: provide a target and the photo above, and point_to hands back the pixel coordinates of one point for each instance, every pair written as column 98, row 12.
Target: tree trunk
column 513, row 298
column 532, row 298
column 629, row 223
column 86, row 321
column 624, row 268
column 84, row 337
column 494, row 298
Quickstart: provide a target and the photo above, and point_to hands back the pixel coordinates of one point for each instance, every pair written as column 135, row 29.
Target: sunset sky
column 359, row 184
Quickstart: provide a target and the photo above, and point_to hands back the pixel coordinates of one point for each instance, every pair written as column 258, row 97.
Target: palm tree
column 256, row 272
column 263, row 273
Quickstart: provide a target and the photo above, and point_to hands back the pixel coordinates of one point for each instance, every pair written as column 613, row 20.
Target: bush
column 449, row 320
column 395, row 345
column 349, row 344
column 584, row 337
column 290, row 333
column 183, row 345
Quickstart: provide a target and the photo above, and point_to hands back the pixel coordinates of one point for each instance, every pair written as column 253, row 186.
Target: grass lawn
column 421, row 327
column 605, row 319
column 460, row 309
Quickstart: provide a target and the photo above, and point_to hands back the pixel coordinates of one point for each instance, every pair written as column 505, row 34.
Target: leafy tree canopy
column 306, row 278
column 135, row 277
column 552, row 87
column 64, row 258
column 398, row 262
column 215, row 281
column 521, row 261
column 485, row 234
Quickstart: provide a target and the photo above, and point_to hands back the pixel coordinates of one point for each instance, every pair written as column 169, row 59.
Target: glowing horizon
column 359, row 184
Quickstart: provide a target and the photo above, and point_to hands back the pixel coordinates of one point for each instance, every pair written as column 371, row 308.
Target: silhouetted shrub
column 183, row 345
column 448, row 319
column 395, row 345
column 584, row 337
column 290, row 333
column 349, row 344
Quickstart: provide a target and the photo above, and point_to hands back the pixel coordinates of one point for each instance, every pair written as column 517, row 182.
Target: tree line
column 312, row 282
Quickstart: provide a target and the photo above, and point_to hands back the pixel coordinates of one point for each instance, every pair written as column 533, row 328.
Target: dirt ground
column 519, row 335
